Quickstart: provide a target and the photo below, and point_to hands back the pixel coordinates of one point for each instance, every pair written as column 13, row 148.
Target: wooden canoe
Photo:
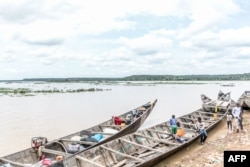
column 223, row 102
column 54, row 149
column 145, row 147
column 244, row 100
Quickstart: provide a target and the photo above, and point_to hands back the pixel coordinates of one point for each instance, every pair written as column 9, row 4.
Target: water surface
column 56, row 115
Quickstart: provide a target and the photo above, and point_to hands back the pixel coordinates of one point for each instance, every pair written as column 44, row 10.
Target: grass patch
column 29, row 92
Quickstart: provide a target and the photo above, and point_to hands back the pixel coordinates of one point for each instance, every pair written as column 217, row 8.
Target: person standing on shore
column 237, row 113
column 173, row 126
column 200, row 126
column 229, row 122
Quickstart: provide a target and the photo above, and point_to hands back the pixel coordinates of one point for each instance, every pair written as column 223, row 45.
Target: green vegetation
column 228, row 77
column 18, row 91
column 29, row 92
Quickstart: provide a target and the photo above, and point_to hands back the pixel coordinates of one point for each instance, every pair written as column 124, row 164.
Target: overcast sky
column 113, row 38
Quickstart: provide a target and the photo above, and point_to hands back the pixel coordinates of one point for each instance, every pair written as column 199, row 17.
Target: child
column 180, row 133
column 172, row 122
column 201, row 128
column 229, row 122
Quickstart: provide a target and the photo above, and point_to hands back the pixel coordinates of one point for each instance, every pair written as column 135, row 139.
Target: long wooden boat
column 244, row 100
column 114, row 128
column 145, row 147
column 223, row 102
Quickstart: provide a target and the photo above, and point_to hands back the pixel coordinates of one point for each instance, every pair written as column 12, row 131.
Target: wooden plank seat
column 114, row 126
column 88, row 161
column 122, row 154
column 188, row 129
column 45, row 150
column 204, row 120
column 121, row 163
column 208, row 113
column 143, row 146
column 157, row 140
column 187, row 135
column 80, row 142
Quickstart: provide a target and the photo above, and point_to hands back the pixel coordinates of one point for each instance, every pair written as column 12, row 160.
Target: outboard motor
column 36, row 142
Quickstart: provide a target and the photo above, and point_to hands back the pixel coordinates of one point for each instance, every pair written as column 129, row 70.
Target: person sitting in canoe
column 180, row 133
column 117, row 120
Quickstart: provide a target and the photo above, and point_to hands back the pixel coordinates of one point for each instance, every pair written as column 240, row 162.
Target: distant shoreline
column 219, row 77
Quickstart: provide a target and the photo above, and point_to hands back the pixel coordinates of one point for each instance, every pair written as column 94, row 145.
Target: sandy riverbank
column 211, row 153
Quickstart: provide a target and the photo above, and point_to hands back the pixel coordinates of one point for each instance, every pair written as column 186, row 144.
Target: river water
column 55, row 115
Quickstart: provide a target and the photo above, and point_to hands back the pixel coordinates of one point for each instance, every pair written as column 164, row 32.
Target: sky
column 114, row 38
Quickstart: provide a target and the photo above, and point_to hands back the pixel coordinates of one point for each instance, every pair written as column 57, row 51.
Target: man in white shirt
column 237, row 113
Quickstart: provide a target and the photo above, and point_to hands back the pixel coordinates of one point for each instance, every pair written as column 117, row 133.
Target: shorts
column 173, row 129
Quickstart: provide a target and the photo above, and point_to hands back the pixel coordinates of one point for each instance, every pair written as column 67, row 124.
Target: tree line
column 221, row 77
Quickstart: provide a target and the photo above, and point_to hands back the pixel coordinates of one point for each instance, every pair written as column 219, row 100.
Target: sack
column 46, row 162
column 98, row 137
column 181, row 140
column 110, row 130
column 76, row 138
column 73, row 148
column 118, row 120
column 134, row 112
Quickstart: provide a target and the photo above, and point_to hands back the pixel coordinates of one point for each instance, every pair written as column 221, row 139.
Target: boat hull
column 222, row 103
column 244, row 100
column 162, row 157
column 58, row 147
column 145, row 147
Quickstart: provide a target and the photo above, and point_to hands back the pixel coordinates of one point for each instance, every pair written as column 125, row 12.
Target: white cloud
column 147, row 45
column 120, row 38
column 208, row 15
column 7, row 55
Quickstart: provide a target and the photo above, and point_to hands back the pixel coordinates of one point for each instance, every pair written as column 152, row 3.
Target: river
column 57, row 114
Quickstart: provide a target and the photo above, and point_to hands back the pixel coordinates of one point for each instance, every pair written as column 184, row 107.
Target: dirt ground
column 211, row 153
